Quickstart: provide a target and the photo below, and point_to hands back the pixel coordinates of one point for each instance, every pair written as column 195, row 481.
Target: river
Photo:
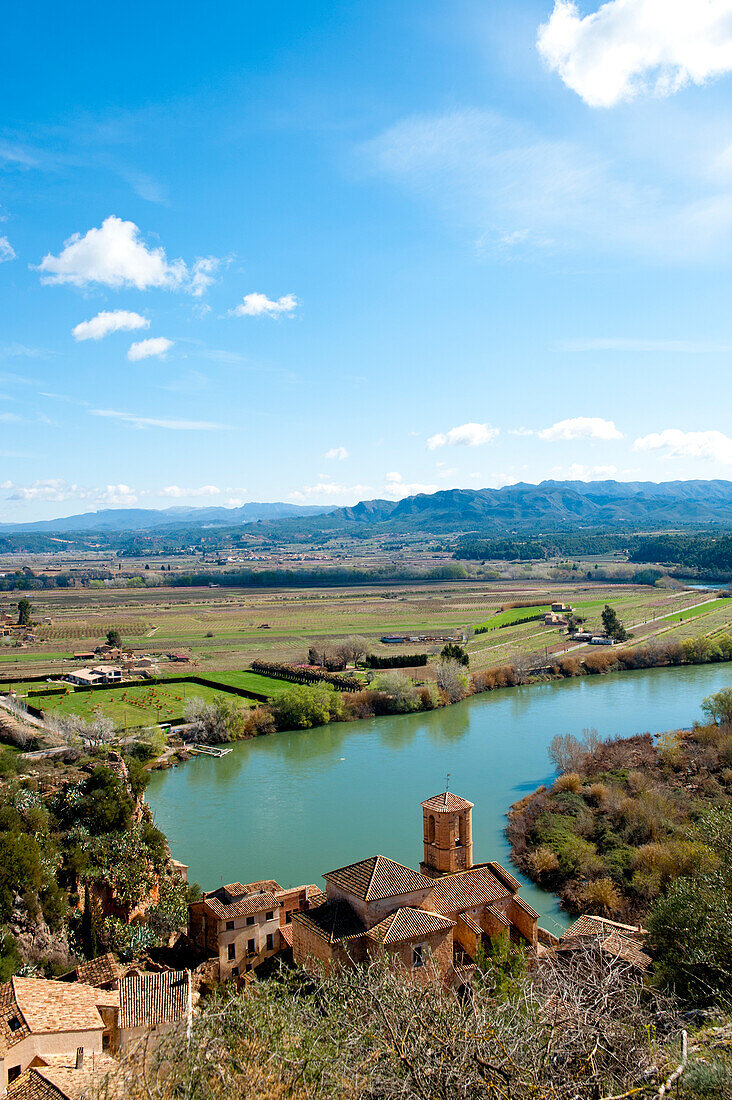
column 293, row 805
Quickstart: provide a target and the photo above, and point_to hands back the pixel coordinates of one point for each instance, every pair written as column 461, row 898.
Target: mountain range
column 548, row 506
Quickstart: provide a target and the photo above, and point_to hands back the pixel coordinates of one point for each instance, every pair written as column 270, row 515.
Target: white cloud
column 466, row 435
column 327, row 490
column 115, row 255
column 397, row 488
column 7, row 252
column 627, row 47
column 175, row 492
column 578, row 472
column 160, row 422
column 712, row 445
column 203, row 274
column 56, row 490
column 338, row 453
column 144, row 349
column 258, row 305
column 116, row 320
column 580, row 427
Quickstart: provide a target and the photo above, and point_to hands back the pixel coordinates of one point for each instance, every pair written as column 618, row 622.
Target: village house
column 91, row 677
column 625, row 942
column 437, row 915
column 43, row 1020
column 244, row 924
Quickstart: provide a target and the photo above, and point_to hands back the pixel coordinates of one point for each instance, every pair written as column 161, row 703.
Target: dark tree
column 454, row 652
column 24, row 612
column 613, row 626
column 114, row 638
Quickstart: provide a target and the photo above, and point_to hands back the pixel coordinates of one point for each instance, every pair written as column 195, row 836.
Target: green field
column 720, row 604
column 513, row 615
column 136, row 705
column 250, row 681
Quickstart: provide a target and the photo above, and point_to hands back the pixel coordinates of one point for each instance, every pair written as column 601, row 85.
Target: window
column 431, row 829
column 14, row 1023
column 288, row 917
column 250, row 946
column 231, row 951
column 270, row 942
column 13, row 1073
column 417, row 955
column 235, row 971
column 269, row 916
column 229, row 926
column 459, row 838
column 250, row 920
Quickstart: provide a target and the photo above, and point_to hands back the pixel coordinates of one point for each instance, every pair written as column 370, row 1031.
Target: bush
column 307, row 705
column 259, row 722
column 400, row 690
column 603, row 894
column 217, row 722
column 718, row 707
column 543, row 861
column 452, row 680
column 571, row 781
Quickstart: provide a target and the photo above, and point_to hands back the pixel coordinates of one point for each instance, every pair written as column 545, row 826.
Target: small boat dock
column 206, row 750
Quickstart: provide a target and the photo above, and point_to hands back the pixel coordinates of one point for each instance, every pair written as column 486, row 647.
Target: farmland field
column 136, row 705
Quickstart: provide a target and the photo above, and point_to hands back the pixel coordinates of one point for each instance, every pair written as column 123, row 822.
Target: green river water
column 294, row 805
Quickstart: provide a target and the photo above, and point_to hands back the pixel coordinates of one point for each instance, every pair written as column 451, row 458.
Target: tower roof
column 446, row 803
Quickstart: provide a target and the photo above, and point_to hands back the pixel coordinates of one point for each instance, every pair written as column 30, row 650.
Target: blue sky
column 326, row 252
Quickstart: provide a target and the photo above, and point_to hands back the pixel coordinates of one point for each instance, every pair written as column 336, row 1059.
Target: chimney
column 79, row 1057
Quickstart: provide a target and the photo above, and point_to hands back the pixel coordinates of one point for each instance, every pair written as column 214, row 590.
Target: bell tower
column 448, row 834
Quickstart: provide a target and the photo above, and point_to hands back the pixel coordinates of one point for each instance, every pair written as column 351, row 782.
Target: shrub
column 401, row 691
column 599, row 794
column 718, row 707
column 571, row 781
column 307, row 705
column 543, row 861
column 603, row 894
column 452, row 680
column 258, row 722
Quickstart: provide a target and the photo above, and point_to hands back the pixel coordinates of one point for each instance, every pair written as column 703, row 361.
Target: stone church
column 431, row 919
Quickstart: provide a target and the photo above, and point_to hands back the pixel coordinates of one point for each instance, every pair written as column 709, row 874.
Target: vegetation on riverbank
column 640, row 829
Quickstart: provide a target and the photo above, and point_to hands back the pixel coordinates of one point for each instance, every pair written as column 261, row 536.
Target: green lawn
column 505, row 618
column 250, row 681
column 138, row 705
column 701, row 609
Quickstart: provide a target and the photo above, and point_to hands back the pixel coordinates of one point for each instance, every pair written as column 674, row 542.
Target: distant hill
column 143, row 519
column 558, row 506
column 551, row 505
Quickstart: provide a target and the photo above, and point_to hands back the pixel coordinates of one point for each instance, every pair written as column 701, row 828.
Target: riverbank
column 622, row 820
column 290, row 806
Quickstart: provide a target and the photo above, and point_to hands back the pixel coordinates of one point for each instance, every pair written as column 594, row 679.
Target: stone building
column 437, row 916
column 244, row 924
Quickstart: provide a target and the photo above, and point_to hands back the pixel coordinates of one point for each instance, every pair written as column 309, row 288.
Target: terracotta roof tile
column 239, row 889
column 471, row 923
column 61, row 1082
column 58, row 1006
column 496, row 913
column 408, row 924
column 623, row 941
column 100, row 971
column 446, row 802
column 332, row 922
column 504, row 876
column 256, row 903
column 146, row 1000
column 286, row 934
column 377, row 877
column 590, row 925
column 467, row 890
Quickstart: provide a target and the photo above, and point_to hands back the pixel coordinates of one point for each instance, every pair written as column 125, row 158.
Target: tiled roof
column 408, row 924
column 286, row 934
column 496, row 913
column 333, row 921
column 10, row 1010
column 589, row 925
column 446, row 803
column 377, row 877
column 317, row 898
column 61, row 1082
column 525, row 906
column 149, row 999
column 255, row 903
column 467, row 890
column 471, row 923
column 504, row 876
column 238, row 889
column 58, row 1006
column 100, row 971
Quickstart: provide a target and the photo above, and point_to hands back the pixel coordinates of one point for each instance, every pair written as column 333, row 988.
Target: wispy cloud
column 615, row 343
column 58, row 490
column 466, row 435
column 580, row 427
column 337, row 454
column 162, row 422
column 7, row 252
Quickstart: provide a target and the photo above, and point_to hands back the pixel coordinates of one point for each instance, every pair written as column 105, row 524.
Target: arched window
column 431, row 829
